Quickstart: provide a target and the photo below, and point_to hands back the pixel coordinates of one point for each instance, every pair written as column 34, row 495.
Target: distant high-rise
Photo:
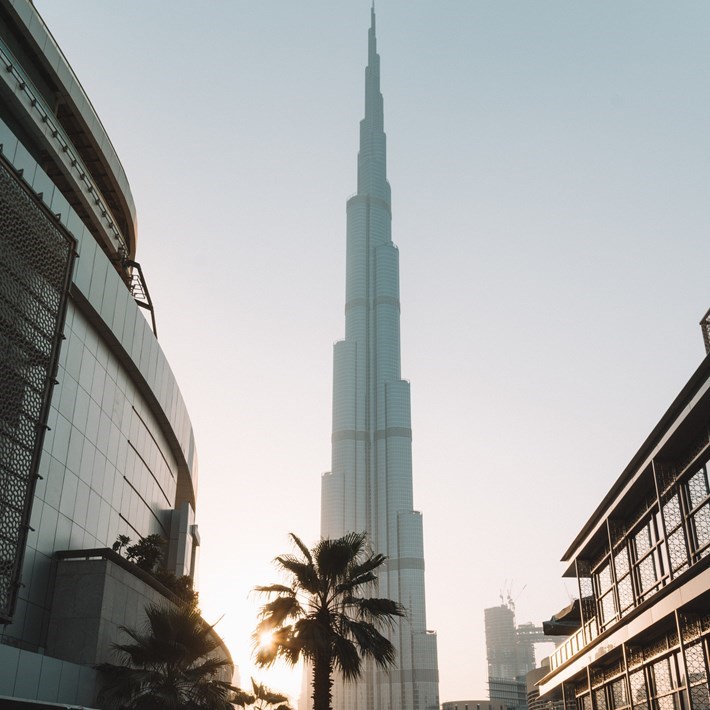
column 370, row 485
column 510, row 651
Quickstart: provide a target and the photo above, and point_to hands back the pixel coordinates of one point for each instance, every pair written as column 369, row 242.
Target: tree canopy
column 325, row 616
column 172, row 664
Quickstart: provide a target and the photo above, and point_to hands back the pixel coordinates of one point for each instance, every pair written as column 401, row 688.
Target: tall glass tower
column 369, row 487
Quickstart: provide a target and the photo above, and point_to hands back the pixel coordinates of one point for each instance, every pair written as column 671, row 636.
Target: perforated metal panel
column 35, row 267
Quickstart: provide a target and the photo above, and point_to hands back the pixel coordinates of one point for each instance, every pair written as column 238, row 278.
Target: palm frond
column 122, row 683
column 280, row 609
column 305, row 575
column 346, row 658
column 283, row 644
column 312, row 637
column 372, row 643
column 353, row 583
column 274, row 589
column 208, row 669
column 242, row 698
column 334, row 557
column 368, row 565
column 304, row 550
column 261, row 692
column 216, row 695
column 168, row 666
column 355, row 541
column 379, row 611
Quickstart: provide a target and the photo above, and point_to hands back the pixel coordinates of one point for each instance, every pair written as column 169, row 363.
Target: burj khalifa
column 369, row 487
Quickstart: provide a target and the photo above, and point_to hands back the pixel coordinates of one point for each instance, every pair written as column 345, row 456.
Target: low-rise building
column 638, row 636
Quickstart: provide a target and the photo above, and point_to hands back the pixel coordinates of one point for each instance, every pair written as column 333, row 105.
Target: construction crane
column 508, row 600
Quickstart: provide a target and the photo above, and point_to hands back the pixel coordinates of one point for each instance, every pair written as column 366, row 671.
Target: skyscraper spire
column 369, row 487
column 372, row 163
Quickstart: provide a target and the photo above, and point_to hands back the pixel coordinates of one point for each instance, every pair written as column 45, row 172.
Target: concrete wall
column 92, row 599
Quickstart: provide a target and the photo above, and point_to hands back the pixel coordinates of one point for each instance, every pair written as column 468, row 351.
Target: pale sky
column 550, row 172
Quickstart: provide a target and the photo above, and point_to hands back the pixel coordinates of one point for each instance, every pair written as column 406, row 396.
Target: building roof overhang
column 77, row 116
column 690, row 408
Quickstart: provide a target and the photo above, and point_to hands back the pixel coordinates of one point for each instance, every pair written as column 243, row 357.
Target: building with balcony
column 95, row 439
column 638, row 635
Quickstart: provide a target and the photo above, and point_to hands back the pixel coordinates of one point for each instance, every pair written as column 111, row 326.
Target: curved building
column 95, row 439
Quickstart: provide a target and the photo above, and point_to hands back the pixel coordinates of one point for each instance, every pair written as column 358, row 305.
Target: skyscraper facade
column 369, row 487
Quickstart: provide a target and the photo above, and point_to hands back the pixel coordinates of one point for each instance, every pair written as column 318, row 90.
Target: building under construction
column 510, row 651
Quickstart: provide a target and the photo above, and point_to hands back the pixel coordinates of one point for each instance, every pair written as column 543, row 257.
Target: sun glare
column 266, row 639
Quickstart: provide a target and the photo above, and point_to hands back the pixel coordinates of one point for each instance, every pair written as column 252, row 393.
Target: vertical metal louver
column 35, row 268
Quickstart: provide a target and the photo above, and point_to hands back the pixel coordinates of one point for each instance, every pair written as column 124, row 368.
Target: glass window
column 701, row 528
column 639, row 696
column 648, row 563
column 600, row 699
column 621, row 563
column 604, row 578
column 648, row 574
column 619, row 696
column 643, row 541
column 666, row 681
column 626, row 594
column 608, row 609
column 672, row 514
column 698, row 488
column 677, row 550
column 698, row 497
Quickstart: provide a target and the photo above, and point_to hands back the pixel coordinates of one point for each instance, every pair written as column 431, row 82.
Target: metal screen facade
column 35, row 269
column 668, row 672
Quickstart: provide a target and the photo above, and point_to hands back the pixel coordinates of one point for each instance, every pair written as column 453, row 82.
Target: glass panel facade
column 105, row 466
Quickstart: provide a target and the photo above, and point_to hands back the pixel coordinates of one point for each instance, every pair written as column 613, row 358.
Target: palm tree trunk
column 322, row 681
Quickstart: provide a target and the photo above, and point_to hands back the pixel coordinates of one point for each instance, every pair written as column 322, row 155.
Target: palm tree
column 263, row 698
column 266, row 699
column 171, row 665
column 323, row 617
